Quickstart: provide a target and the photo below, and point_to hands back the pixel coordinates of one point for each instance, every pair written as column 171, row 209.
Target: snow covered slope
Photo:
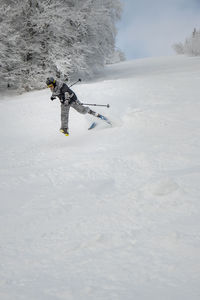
column 111, row 213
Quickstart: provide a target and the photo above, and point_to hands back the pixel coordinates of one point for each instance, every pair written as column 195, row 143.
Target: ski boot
column 64, row 131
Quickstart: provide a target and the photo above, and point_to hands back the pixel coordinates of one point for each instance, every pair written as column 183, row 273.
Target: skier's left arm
column 67, row 94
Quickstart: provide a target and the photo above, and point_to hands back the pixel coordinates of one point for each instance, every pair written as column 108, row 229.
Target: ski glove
column 53, row 98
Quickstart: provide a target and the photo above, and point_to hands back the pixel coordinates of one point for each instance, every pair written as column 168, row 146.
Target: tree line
column 191, row 45
column 64, row 38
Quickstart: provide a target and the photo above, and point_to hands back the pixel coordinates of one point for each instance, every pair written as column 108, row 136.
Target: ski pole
column 75, row 82
column 105, row 105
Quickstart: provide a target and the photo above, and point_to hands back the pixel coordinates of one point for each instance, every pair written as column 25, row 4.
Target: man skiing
column 68, row 99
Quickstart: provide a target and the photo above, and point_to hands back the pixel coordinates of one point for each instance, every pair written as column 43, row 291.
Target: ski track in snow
column 111, row 213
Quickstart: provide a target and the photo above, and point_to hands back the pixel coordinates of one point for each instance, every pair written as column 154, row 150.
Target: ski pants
column 65, row 111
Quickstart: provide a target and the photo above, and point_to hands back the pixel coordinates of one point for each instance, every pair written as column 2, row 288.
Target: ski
column 94, row 124
column 105, row 119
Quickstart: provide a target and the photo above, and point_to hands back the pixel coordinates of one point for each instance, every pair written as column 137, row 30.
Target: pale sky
column 150, row 27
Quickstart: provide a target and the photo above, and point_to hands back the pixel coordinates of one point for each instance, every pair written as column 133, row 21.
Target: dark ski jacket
column 63, row 92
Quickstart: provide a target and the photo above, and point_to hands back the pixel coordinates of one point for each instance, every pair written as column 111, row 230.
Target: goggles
column 50, row 85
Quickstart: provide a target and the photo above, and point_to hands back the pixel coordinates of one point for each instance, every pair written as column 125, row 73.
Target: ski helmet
column 50, row 81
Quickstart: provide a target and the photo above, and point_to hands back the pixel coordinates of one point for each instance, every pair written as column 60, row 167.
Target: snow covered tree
column 191, row 46
column 116, row 57
column 179, row 48
column 10, row 57
column 66, row 38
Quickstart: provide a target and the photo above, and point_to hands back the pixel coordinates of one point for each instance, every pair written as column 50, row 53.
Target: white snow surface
column 111, row 213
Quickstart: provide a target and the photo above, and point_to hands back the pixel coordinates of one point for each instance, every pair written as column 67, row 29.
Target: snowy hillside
column 111, row 213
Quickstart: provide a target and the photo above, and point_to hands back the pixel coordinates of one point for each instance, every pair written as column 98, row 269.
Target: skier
column 68, row 99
